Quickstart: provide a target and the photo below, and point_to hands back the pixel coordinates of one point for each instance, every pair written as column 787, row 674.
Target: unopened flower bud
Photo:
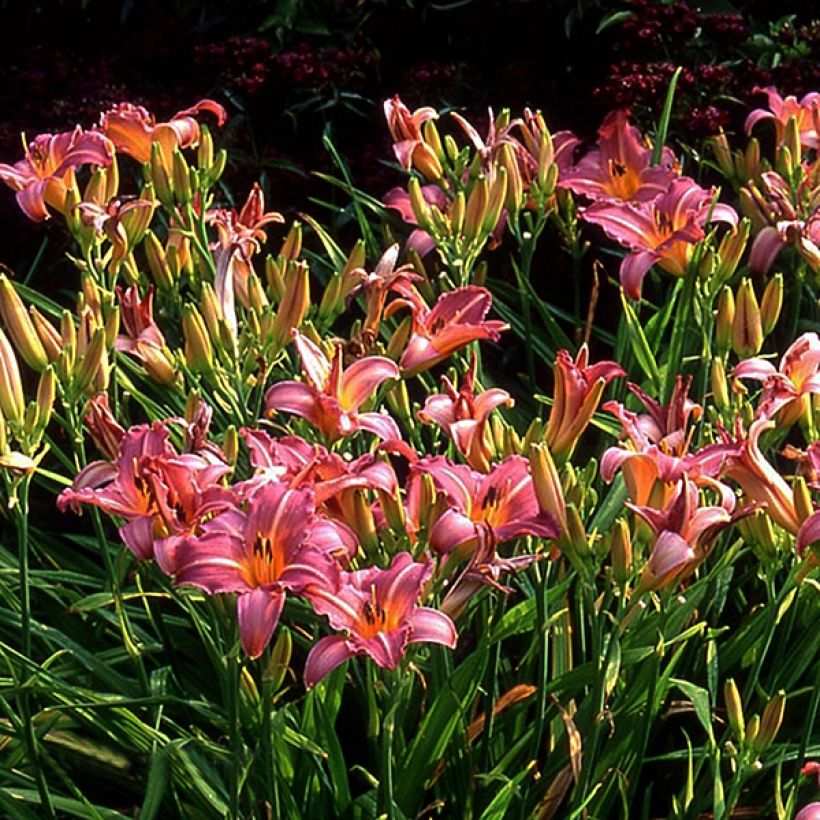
column 734, row 708
column 182, row 178
column 46, row 392
column 12, row 401
column 205, row 149
column 426, row 162
column 91, row 362
column 747, row 330
column 752, row 729
column 292, row 246
column 294, row 305
column 791, row 140
column 398, row 401
column 158, row 261
column 730, row 250
column 621, row 551
column 217, row 169
column 770, row 722
column 720, row 389
column 720, row 148
column 279, row 660
column 430, row 134
column 199, row 356
column 365, row 524
column 160, row 177
column 421, row 210
column 477, row 204
column 398, row 341
column 230, row 444
column 458, row 211
column 47, row 333
column 498, row 195
column 803, row 505
column 20, row 327
column 771, row 303
column 724, row 319
column 547, row 484
column 515, row 184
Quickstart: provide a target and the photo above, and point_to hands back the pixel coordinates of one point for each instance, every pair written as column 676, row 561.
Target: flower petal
column 258, row 611
column 324, row 657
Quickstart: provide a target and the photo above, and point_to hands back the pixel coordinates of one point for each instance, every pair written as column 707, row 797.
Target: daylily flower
column 657, row 454
column 685, row 532
column 662, row 231
column 409, row 145
column 379, row 612
column 463, row 416
column 331, row 395
column 456, row 319
column 491, row 508
column 621, row 168
column 262, row 554
column 46, row 173
column 540, row 151
column 578, row 389
column 781, row 217
column 805, row 111
column 106, row 432
column 808, row 534
column 499, row 133
column 760, row 482
column 240, row 237
column 122, row 489
column 786, row 391
column 132, row 129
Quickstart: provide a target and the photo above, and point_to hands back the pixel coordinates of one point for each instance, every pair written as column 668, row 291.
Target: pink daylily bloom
column 657, row 453
column 781, row 109
column 331, row 395
column 379, row 613
column 760, row 482
column 662, row 231
column 578, row 388
column 808, row 534
column 123, row 221
column 271, row 549
column 119, row 489
column 787, row 390
column 781, row 217
column 132, row 129
column 491, row 508
column 621, row 168
column 46, row 173
column 811, row 811
column 685, row 532
column 463, row 416
column 456, row 320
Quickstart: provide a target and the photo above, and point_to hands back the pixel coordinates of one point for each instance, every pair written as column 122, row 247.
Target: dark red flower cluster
column 725, row 27
column 307, row 66
column 676, row 22
column 240, row 62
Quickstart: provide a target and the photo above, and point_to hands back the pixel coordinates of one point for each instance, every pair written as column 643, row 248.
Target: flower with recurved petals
column 781, row 109
column 786, row 391
column 621, row 167
column 456, row 319
column 578, row 389
column 663, row 231
column 379, row 613
column 331, row 395
column 463, row 416
column 132, row 129
column 46, row 173
column 274, row 547
column 684, row 531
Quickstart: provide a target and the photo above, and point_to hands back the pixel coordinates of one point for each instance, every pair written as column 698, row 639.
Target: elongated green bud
column 771, row 303
column 770, row 722
column 12, row 401
column 724, row 319
column 20, row 327
column 734, row 709
column 182, row 178
column 747, row 329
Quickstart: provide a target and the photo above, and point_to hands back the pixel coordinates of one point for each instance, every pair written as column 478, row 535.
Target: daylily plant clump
column 327, row 483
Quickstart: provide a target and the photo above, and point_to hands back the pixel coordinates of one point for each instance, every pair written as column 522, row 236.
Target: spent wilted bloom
column 621, row 167
column 662, row 231
column 263, row 552
column 409, row 145
column 46, row 173
column 331, row 394
column 379, row 612
column 781, row 109
column 142, row 337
